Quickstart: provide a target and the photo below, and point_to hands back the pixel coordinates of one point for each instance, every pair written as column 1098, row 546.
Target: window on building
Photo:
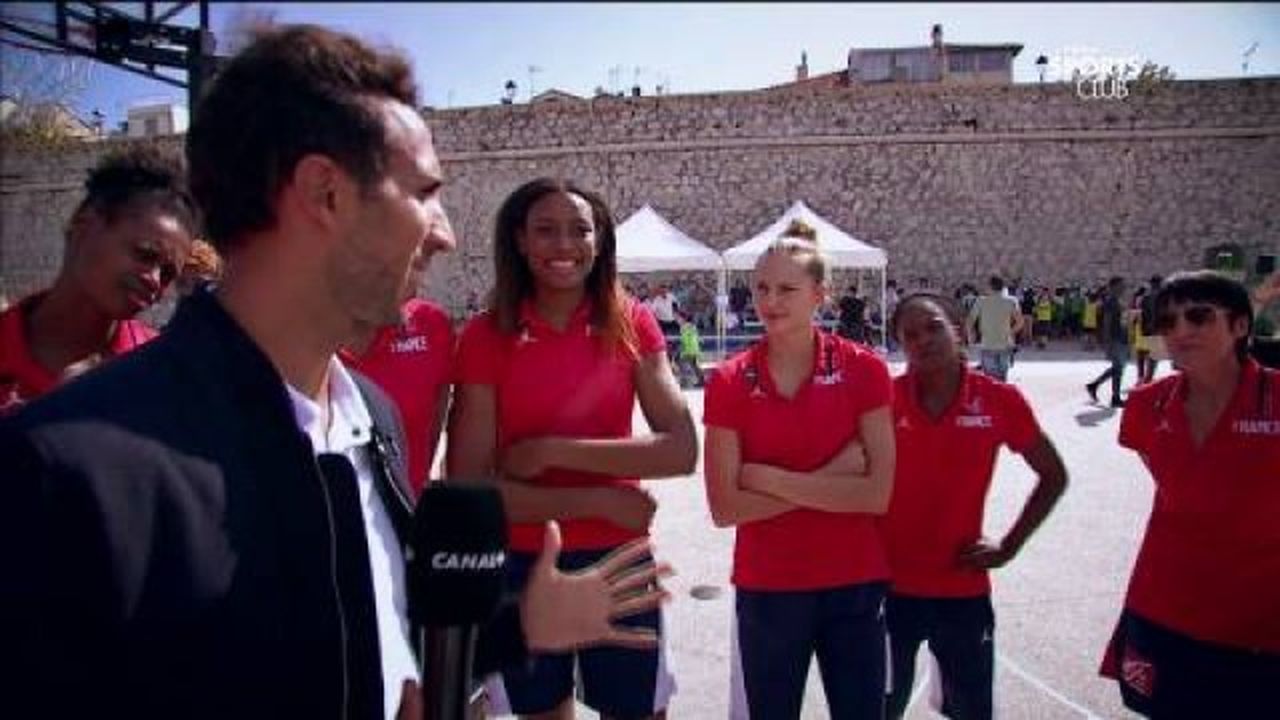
column 993, row 60
column 960, row 62
column 914, row 66
column 151, row 126
column 875, row 67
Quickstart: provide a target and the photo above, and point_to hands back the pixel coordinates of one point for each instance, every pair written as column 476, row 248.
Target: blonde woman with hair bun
column 800, row 459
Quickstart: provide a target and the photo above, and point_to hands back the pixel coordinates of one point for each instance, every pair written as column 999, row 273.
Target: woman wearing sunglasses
column 1200, row 632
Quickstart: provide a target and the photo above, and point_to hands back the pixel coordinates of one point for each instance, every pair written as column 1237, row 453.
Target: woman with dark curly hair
column 546, row 381
column 125, row 242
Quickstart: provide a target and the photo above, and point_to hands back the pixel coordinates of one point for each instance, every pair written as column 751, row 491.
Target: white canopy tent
column 647, row 242
column 841, row 249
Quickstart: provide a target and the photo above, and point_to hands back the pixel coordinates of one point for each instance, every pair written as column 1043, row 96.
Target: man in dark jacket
column 213, row 526
column 852, row 316
column 1113, row 332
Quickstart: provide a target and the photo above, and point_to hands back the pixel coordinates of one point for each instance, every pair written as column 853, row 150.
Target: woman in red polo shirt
column 950, row 423
column 125, row 242
column 1200, row 632
column 545, row 383
column 787, row 423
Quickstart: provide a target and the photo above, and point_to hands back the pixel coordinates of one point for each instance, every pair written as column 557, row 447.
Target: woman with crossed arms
column 787, row 421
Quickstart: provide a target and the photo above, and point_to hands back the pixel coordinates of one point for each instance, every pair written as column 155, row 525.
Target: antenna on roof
column 1248, row 54
column 533, row 70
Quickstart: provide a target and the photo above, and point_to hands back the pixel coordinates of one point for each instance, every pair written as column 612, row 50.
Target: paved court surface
column 1055, row 603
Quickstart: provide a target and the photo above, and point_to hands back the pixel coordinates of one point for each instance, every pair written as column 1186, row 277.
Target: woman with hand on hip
column 951, row 422
column 799, row 457
column 546, row 381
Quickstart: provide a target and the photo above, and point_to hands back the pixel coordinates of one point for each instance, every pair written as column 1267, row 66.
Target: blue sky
column 464, row 53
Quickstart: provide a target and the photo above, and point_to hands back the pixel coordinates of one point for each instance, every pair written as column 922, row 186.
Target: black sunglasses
column 1195, row 315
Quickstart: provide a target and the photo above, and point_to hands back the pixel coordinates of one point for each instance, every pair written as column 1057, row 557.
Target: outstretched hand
column 567, row 610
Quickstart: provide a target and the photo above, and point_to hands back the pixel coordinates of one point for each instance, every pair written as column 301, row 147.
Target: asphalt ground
column 1056, row 603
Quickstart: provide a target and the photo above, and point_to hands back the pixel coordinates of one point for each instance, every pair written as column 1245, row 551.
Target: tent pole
column 722, row 291
column 884, row 313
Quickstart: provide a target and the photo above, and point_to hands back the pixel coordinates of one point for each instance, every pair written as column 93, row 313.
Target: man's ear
column 320, row 189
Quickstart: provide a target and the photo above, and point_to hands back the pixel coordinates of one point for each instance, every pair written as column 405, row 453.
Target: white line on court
column 1026, row 675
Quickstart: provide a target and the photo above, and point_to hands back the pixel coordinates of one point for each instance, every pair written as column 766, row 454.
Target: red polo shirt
column 411, row 362
column 22, row 379
column 943, row 473
column 1209, row 565
column 803, row 549
column 552, row 383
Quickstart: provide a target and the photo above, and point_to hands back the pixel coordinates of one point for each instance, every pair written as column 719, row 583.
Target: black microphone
column 456, row 567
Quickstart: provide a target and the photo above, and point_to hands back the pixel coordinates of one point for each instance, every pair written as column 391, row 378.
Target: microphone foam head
column 458, row 556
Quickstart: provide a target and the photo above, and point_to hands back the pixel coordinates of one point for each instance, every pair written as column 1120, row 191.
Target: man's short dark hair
column 996, row 282
column 293, row 91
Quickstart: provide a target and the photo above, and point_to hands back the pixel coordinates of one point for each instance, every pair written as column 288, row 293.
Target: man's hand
column 528, row 458
column 985, row 554
column 562, row 611
column 626, row 506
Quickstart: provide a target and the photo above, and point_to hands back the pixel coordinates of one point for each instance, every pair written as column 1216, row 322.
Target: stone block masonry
column 953, row 182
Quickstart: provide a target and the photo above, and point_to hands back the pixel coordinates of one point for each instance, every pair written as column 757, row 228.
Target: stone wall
column 953, row 182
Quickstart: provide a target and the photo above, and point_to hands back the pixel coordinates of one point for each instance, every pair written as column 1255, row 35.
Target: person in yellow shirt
column 1044, row 318
column 1089, row 321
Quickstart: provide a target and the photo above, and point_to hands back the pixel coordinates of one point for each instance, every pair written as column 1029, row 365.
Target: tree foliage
column 40, row 89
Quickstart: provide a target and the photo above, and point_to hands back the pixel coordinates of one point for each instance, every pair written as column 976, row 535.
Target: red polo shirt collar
column 533, row 322
column 824, row 355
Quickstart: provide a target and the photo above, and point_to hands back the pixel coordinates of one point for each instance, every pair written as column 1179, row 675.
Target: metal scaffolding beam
column 137, row 44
